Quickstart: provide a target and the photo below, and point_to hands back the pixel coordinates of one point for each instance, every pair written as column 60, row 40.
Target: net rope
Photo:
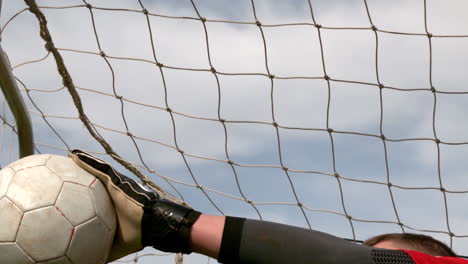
column 140, row 166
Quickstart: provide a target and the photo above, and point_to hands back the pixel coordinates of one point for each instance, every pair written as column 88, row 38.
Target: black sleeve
column 251, row 241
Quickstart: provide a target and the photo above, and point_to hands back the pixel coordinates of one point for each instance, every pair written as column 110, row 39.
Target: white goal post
column 342, row 116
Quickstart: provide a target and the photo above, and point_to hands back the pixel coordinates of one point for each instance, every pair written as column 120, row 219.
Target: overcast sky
column 292, row 51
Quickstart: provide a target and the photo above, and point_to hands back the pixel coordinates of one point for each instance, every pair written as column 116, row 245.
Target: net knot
column 160, row 65
column 318, row 25
column 271, row 76
column 258, row 23
column 330, row 130
column 249, row 201
column 119, row 97
column 389, row 184
column 145, row 11
column 102, row 54
column 437, row 141
column 299, row 204
column 48, row 46
column 374, row 28
column 285, row 168
column 336, row 174
column 326, row 77
column 168, row 109
column 230, row 162
column 442, row 189
column 180, row 151
column 203, row 19
column 199, row 186
column 129, row 134
column 222, row 120
column 349, row 217
column 89, row 6
column 146, row 182
column 429, row 35
column 275, row 124
column 451, row 234
column 213, row 70
column 382, row 136
column 67, row 83
column 381, row 86
column 433, row 89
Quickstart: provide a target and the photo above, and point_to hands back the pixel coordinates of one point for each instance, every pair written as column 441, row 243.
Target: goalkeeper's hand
column 144, row 219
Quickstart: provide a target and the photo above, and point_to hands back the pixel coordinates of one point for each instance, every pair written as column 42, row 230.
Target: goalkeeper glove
column 143, row 217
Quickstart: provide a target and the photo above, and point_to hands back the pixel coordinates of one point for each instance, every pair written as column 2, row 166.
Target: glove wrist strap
column 166, row 226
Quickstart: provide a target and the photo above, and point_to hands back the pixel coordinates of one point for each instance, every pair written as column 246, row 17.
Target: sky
column 300, row 99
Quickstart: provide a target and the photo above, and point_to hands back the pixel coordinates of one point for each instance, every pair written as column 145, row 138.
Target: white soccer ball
column 53, row 212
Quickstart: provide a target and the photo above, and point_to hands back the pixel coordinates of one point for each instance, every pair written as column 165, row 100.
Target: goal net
column 346, row 117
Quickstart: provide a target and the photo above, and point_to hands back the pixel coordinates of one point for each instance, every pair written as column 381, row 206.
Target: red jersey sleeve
column 421, row 258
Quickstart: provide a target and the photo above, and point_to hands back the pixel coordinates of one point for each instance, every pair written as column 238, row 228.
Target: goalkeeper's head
column 409, row 241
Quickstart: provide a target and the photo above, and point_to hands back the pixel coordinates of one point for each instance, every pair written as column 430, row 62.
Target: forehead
column 391, row 244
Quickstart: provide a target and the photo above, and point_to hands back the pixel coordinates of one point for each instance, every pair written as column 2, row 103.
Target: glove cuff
column 166, row 226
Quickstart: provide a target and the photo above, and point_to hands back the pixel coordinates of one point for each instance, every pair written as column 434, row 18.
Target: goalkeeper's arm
column 145, row 219
column 239, row 240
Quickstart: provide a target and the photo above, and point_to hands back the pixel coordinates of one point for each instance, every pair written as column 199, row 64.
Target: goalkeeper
column 144, row 219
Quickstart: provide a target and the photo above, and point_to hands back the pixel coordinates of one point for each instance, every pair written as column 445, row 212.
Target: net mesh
column 347, row 118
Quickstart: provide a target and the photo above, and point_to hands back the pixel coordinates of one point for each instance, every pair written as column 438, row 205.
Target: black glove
column 143, row 218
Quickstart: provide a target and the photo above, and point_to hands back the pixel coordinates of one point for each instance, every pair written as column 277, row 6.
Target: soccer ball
column 53, row 212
